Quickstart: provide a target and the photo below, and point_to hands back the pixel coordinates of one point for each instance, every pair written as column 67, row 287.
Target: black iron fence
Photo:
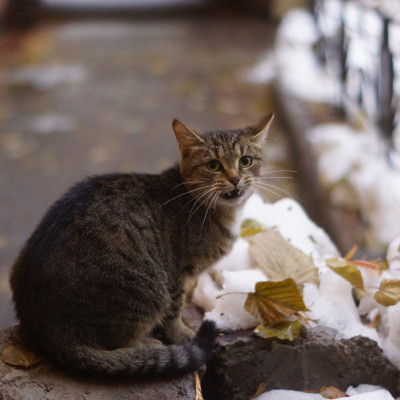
column 360, row 43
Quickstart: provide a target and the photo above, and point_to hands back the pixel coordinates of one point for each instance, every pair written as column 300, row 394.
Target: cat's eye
column 214, row 165
column 245, row 161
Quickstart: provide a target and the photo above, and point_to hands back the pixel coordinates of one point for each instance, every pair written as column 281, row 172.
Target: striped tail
column 142, row 362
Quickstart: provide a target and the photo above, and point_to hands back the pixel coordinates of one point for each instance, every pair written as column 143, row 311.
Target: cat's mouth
column 234, row 194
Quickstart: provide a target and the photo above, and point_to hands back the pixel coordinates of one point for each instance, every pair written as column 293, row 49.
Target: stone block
column 315, row 359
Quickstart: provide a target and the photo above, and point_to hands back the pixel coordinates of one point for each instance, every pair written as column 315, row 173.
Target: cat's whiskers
column 274, row 171
column 268, row 190
column 201, row 203
column 215, row 200
column 257, row 192
column 187, row 183
column 268, row 186
column 194, row 197
column 276, row 177
column 183, row 194
column 208, row 207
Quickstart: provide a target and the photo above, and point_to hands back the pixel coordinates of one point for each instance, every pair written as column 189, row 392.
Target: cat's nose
column 234, row 180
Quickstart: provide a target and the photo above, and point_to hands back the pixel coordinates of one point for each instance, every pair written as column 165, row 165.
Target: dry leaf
column 383, row 265
column 275, row 302
column 350, row 253
column 347, row 270
column 280, row 260
column 288, row 330
column 331, row 392
column 199, row 394
column 375, row 265
column 19, row 356
column 374, row 323
column 251, row 227
column 261, row 389
column 389, row 292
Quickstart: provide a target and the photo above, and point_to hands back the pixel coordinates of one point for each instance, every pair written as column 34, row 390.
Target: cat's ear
column 185, row 136
column 259, row 131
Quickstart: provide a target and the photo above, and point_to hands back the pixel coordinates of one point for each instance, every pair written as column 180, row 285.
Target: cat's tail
column 143, row 362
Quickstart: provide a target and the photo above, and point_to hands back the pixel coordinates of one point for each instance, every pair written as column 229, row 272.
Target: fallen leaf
column 197, row 383
column 288, row 330
column 251, row 227
column 350, row 253
column 389, row 292
column 331, row 392
column 375, row 265
column 275, row 302
column 374, row 323
column 280, row 260
column 19, row 356
column 383, row 265
column 347, row 270
column 261, row 389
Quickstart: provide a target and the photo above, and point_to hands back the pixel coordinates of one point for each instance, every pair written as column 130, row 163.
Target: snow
column 234, row 276
column 374, row 394
column 46, row 77
column 353, row 164
column 293, row 62
column 49, row 123
column 291, row 220
column 289, row 395
column 332, row 305
column 362, row 166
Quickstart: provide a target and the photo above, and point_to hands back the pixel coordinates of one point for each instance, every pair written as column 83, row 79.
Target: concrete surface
column 43, row 382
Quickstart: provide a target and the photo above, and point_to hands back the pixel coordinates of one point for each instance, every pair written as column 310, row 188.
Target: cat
column 104, row 271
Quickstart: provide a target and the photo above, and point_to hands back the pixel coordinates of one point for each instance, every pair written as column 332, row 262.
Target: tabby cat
column 105, row 269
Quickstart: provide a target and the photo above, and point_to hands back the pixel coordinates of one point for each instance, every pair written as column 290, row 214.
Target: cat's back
column 91, row 220
column 93, row 204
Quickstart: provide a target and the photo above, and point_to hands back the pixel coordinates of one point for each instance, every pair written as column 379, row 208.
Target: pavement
column 89, row 96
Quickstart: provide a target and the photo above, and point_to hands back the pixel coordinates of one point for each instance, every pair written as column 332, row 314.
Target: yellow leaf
column 331, row 392
column 375, row 265
column 261, row 389
column 383, row 265
column 280, row 260
column 288, row 330
column 251, row 227
column 351, row 253
column 347, row 270
column 389, row 292
column 275, row 302
column 199, row 393
column 19, row 356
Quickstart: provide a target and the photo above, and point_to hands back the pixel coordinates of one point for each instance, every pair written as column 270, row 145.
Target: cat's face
column 222, row 167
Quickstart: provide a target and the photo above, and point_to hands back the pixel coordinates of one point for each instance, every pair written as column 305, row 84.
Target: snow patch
column 355, row 157
column 362, row 392
column 46, row 76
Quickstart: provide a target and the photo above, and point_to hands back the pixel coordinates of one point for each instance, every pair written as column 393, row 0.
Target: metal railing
column 357, row 41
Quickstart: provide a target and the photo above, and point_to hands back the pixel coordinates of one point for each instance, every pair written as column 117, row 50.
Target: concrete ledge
column 45, row 382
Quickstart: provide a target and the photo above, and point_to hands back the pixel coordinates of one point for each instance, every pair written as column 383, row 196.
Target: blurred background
column 89, row 87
